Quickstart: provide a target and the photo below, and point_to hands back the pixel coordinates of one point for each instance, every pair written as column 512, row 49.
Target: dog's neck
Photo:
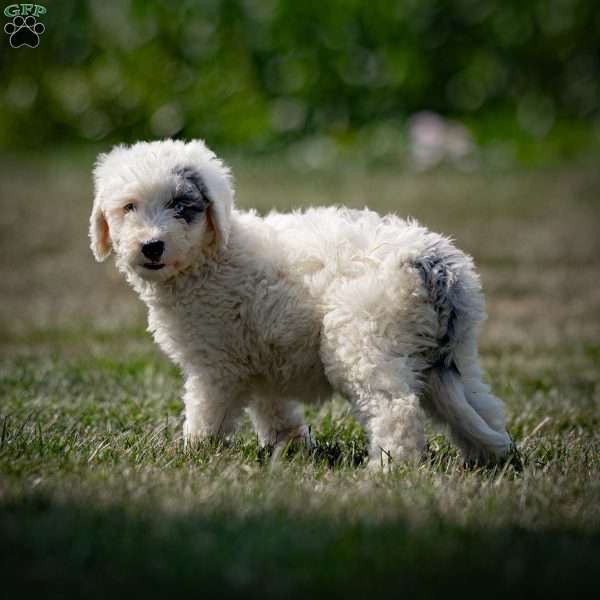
column 155, row 293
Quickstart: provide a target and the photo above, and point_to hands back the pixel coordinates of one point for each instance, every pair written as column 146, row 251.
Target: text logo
column 24, row 29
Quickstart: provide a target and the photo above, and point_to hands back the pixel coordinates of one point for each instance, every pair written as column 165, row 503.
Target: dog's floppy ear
column 218, row 188
column 99, row 236
column 218, row 215
column 99, row 233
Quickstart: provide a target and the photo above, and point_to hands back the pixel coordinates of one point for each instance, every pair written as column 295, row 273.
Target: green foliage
column 260, row 74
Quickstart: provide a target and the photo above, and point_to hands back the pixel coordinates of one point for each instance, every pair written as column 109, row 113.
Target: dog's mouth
column 153, row 266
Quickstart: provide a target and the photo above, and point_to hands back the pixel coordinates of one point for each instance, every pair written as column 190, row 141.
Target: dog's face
column 161, row 206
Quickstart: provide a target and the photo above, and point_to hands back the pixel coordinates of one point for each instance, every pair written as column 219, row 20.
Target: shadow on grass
column 69, row 550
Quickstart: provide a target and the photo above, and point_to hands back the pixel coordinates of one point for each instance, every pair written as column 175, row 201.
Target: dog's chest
column 270, row 333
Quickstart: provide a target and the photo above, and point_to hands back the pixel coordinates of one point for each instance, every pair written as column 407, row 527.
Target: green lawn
column 99, row 498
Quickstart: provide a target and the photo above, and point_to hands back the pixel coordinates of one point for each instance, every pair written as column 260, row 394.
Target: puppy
column 262, row 313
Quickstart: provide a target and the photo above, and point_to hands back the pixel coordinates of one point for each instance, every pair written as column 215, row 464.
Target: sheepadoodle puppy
column 263, row 313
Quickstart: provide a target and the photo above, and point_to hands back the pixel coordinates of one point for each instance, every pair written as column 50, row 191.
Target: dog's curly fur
column 264, row 313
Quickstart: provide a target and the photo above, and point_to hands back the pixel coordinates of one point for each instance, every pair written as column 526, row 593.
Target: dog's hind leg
column 394, row 426
column 367, row 352
column 277, row 421
column 384, row 393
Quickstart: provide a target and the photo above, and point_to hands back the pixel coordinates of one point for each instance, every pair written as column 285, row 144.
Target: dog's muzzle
column 153, row 250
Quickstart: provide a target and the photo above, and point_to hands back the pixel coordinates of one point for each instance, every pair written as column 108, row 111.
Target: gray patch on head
column 191, row 194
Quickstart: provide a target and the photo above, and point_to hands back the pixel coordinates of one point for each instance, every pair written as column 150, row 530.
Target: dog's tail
column 478, row 441
column 474, row 416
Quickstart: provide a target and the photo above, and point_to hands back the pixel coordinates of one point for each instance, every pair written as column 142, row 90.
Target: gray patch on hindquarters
column 439, row 274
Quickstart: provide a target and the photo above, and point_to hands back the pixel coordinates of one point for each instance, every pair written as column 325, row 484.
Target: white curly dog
column 262, row 313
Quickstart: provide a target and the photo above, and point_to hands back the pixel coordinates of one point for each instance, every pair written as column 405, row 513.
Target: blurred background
column 420, row 81
column 480, row 118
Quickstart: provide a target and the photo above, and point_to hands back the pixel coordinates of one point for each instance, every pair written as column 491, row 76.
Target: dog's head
column 161, row 206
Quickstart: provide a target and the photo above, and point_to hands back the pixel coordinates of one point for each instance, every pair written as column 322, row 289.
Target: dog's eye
column 185, row 208
column 176, row 204
column 129, row 207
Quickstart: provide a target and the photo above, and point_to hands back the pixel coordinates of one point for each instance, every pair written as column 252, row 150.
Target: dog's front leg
column 210, row 411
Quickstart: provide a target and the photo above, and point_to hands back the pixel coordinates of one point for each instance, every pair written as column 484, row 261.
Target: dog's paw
column 383, row 461
column 291, row 438
column 192, row 438
column 302, row 434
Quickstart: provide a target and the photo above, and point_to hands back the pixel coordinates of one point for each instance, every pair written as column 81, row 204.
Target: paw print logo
column 24, row 31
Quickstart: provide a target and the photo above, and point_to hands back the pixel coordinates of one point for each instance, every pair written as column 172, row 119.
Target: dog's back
column 368, row 263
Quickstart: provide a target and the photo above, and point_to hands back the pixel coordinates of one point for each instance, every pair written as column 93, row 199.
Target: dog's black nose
column 153, row 250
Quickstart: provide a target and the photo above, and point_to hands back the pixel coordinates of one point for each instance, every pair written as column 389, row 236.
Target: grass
column 98, row 497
